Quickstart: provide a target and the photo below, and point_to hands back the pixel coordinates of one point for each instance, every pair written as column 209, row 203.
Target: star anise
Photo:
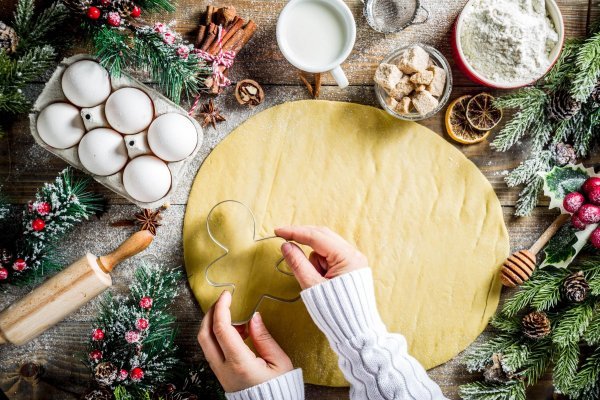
column 210, row 114
column 148, row 220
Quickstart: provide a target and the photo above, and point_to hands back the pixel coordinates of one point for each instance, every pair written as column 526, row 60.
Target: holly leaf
column 560, row 181
column 565, row 245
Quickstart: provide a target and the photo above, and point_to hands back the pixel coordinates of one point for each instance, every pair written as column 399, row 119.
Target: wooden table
column 24, row 166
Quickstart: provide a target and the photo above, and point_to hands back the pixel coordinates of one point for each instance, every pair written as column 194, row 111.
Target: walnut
column 225, row 15
column 249, row 92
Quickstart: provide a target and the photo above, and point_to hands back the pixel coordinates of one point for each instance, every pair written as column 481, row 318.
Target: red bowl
column 476, row 77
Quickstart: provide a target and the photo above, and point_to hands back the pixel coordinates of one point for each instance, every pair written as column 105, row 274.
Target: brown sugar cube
column 403, row 88
column 403, row 106
column 422, row 77
column 420, row 88
column 436, row 87
column 413, row 59
column 424, row 102
column 391, row 102
column 387, row 76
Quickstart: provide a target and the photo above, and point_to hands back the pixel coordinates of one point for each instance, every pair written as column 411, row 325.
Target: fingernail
column 224, row 293
column 256, row 318
column 286, row 248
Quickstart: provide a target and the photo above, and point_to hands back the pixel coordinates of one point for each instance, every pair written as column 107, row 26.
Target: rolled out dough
column 425, row 217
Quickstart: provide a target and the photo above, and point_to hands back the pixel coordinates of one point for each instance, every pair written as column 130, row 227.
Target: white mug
column 317, row 36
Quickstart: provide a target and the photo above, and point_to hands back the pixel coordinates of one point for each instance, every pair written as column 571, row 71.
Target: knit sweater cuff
column 289, row 386
column 344, row 307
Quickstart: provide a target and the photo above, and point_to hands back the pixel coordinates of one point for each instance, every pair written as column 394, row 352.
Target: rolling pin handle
column 136, row 243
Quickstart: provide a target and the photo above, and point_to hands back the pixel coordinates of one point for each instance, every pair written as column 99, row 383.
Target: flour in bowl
column 508, row 41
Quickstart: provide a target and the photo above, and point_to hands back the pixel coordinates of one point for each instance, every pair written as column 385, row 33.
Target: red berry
column 595, row 238
column 98, row 334
column 43, row 208
column 594, row 196
column 96, row 355
column 38, row 224
column 577, row 223
column 3, row 273
column 137, row 374
column 132, row 336
column 19, row 264
column 123, row 374
column 93, row 13
column 142, row 324
column 590, row 183
column 146, row 302
column 573, row 201
column 113, row 19
column 136, row 12
column 589, row 214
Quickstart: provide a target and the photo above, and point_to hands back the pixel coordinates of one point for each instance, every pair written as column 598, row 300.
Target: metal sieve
column 391, row 16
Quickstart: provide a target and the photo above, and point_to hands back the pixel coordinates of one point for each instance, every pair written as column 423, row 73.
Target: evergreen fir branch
column 515, row 356
column 540, row 357
column 528, row 197
column 514, row 390
column 586, row 380
column 563, row 71
column 113, row 49
column 572, row 323
column 529, row 169
column 156, row 5
column 32, row 31
column 479, row 356
column 532, row 104
column 506, row 324
column 587, row 129
column 23, row 17
column 32, row 64
column 592, row 334
column 566, row 360
column 588, row 64
column 541, row 291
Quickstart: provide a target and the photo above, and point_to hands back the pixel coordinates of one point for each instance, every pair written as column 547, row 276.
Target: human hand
column 234, row 364
column 332, row 255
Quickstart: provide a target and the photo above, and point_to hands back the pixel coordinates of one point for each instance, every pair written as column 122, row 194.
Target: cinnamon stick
column 210, row 10
column 210, row 36
column 248, row 30
column 317, row 84
column 306, row 83
column 200, row 36
column 237, row 36
column 235, row 27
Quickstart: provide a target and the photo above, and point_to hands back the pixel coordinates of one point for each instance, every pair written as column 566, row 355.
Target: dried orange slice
column 481, row 112
column 458, row 126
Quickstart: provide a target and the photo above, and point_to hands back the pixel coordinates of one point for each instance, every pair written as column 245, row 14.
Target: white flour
column 508, row 41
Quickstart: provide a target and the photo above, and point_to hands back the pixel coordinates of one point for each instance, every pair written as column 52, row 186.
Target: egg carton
column 53, row 93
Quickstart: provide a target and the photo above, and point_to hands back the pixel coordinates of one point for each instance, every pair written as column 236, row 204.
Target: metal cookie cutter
column 392, row 16
column 277, row 265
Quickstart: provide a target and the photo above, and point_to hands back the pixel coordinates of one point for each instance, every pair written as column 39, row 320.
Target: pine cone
column 562, row 106
column 97, row 394
column 8, row 39
column 536, row 325
column 105, row 373
column 575, row 287
column 78, row 6
column 495, row 373
column 123, row 7
column 563, row 154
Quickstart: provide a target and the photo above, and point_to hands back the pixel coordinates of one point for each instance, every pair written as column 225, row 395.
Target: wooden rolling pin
column 520, row 265
column 65, row 292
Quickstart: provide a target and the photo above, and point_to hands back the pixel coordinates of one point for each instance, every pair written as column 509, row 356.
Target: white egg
column 172, row 137
column 86, row 83
column 103, row 152
column 147, row 178
column 129, row 110
column 60, row 125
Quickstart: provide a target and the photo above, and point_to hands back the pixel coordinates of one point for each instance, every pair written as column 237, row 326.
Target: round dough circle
column 428, row 221
column 60, row 125
column 102, row 151
column 172, row 137
column 86, row 83
column 129, row 110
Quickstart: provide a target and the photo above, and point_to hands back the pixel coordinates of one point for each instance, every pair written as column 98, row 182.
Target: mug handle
column 339, row 76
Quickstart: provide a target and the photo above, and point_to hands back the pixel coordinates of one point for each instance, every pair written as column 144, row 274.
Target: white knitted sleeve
column 374, row 361
column 289, row 386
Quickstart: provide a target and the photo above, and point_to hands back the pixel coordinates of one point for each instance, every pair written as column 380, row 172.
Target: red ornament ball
column 590, row 184
column 97, row 334
column 146, row 302
column 137, row 374
column 577, row 223
column 3, row 273
column 43, row 208
column 595, row 238
column 96, row 355
column 123, row 374
column 136, row 12
column 38, row 224
column 93, row 13
column 142, row 324
column 573, row 201
column 19, row 264
column 113, row 19
column 589, row 214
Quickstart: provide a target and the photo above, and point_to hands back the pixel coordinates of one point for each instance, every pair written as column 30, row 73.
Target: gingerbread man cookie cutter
column 277, row 266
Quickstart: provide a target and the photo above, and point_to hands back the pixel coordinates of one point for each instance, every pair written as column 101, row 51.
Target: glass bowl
column 439, row 60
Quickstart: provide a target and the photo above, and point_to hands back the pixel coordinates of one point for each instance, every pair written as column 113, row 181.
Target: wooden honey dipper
column 520, row 265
